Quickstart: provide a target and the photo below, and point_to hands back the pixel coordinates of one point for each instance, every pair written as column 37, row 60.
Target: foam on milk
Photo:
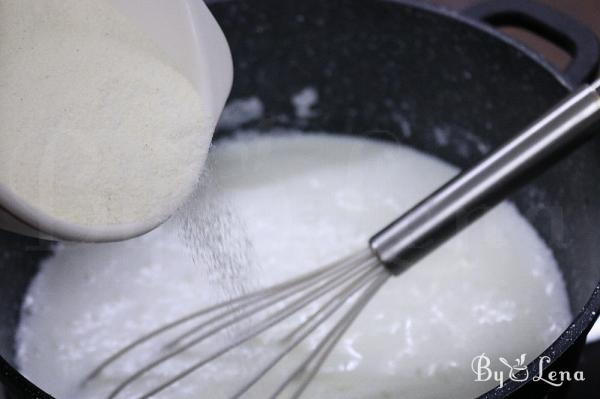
column 302, row 201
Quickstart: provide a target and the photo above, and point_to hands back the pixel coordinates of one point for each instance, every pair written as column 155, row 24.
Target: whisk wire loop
column 286, row 293
column 322, row 351
column 341, row 279
column 264, row 325
column 244, row 300
column 308, row 326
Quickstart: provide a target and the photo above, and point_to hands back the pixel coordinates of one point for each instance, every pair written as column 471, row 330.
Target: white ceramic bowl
column 189, row 35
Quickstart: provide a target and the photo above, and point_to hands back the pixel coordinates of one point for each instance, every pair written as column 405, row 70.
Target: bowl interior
column 395, row 72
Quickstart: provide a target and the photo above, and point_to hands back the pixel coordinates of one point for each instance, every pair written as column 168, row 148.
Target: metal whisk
column 342, row 289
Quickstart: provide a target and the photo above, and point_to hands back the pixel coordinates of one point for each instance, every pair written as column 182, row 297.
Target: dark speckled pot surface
column 400, row 72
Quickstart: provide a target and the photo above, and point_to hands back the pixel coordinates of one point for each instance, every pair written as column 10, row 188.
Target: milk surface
column 284, row 204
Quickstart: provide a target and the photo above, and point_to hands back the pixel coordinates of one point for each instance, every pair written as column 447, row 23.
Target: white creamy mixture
column 97, row 127
column 301, row 202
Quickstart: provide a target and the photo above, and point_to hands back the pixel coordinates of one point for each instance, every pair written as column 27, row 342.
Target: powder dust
column 217, row 238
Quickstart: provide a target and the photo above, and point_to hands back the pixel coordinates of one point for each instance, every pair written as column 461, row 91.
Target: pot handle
column 565, row 32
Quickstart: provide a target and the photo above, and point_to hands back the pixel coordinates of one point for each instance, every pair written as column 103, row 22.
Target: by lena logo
column 517, row 371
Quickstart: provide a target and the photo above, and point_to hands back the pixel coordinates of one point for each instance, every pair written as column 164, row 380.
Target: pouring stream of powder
column 217, row 239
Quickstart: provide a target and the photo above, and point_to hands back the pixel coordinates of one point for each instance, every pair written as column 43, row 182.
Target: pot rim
column 457, row 15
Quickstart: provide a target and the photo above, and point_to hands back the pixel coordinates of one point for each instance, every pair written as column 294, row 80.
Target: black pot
column 401, row 71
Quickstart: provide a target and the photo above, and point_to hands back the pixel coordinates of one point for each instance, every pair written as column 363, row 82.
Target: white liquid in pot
column 300, row 202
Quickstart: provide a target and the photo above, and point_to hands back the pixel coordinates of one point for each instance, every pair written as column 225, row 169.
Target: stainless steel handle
column 476, row 190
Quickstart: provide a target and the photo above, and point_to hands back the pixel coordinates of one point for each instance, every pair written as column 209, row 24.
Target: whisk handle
column 476, row 190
